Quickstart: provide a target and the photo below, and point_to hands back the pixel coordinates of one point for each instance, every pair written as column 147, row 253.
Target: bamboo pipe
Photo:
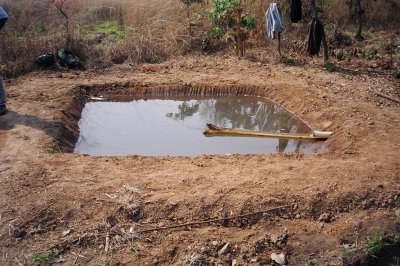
column 217, row 131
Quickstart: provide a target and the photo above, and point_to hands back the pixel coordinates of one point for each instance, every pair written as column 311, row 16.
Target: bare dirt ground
column 73, row 208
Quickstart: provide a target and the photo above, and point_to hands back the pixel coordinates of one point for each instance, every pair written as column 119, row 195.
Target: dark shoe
column 3, row 110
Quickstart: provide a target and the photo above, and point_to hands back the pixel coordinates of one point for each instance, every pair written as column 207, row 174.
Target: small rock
column 172, row 206
column 223, row 249
column 198, row 259
column 19, row 234
column 234, row 262
column 253, row 260
column 67, row 232
column 279, row 258
column 312, row 262
column 298, row 216
column 325, row 217
column 279, row 239
column 214, row 243
column 111, row 221
column 259, row 246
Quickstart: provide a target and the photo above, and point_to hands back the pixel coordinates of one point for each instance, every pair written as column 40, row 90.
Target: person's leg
column 3, row 100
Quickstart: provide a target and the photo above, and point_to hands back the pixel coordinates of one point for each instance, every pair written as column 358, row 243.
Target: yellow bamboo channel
column 217, row 131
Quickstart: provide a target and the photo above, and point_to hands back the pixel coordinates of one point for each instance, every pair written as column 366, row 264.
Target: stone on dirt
column 234, row 262
column 223, row 250
column 279, row 239
column 67, row 232
column 279, row 258
column 325, row 217
column 19, row 234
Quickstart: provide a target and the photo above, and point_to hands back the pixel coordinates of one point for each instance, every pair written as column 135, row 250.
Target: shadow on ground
column 63, row 135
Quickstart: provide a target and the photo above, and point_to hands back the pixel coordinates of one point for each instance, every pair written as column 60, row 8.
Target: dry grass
column 153, row 29
column 157, row 32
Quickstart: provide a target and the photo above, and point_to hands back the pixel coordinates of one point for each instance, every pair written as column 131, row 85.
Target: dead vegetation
column 103, row 33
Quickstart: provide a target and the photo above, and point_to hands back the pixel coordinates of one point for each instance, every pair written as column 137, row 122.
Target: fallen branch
column 386, row 97
column 213, row 220
column 76, row 259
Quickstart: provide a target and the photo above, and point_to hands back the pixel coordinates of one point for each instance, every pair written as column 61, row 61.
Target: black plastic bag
column 45, row 60
column 68, row 59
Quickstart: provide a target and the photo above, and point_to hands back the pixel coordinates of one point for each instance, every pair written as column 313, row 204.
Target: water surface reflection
column 161, row 127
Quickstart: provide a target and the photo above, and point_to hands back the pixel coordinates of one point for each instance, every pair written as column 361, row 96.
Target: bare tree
column 359, row 11
column 188, row 3
column 60, row 6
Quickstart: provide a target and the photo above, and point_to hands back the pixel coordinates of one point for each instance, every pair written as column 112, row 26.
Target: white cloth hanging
column 273, row 20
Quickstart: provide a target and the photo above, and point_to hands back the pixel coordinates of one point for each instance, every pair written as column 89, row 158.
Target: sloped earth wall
column 70, row 206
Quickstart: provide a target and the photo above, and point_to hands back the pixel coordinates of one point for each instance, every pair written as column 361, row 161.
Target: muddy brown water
column 174, row 127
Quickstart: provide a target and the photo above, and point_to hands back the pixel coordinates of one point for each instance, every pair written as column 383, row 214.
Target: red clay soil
column 82, row 210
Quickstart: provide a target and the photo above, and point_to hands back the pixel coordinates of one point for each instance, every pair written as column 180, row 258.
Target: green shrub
column 370, row 54
column 330, row 67
column 110, row 28
column 288, row 60
column 248, row 22
column 41, row 257
column 375, row 243
column 54, row 150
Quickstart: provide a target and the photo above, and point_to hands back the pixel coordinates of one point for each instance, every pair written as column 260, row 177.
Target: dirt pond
column 60, row 207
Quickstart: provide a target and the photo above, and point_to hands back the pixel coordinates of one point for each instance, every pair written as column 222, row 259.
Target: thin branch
column 213, row 220
column 385, row 96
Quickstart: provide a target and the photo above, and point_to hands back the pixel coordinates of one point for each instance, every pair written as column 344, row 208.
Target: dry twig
column 387, row 97
column 107, row 243
column 213, row 220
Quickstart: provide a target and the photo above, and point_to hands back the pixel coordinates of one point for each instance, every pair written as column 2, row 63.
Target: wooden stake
column 279, row 43
column 325, row 44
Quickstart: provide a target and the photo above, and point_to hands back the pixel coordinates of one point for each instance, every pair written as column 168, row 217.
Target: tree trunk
column 66, row 17
column 279, row 44
column 325, row 44
column 359, row 20
column 188, row 17
column 314, row 12
column 350, row 5
column 240, row 35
